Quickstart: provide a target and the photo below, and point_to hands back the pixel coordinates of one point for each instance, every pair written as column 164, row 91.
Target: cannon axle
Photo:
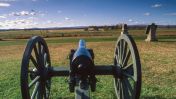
column 99, row 70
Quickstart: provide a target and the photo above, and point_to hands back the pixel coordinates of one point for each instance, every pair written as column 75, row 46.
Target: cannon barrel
column 81, row 51
column 82, row 43
column 82, row 61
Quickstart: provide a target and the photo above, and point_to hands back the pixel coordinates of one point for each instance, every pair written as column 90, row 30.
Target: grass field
column 158, row 65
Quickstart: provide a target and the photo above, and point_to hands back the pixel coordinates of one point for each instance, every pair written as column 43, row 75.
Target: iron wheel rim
column 35, row 62
column 126, row 56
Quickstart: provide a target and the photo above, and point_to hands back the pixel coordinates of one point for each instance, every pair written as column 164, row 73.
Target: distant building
column 93, row 28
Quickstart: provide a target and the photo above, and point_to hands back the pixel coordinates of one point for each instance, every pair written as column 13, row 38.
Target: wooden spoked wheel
column 126, row 57
column 35, row 82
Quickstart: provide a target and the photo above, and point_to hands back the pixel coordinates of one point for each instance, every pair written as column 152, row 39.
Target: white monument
column 124, row 29
column 151, row 31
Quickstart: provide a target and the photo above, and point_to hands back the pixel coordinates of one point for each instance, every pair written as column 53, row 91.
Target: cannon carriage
column 36, row 70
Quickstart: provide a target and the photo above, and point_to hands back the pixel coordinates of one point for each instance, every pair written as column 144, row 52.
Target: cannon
column 36, row 70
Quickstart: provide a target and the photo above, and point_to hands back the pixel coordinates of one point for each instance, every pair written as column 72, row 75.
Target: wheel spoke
column 128, row 66
column 39, row 94
column 126, row 58
column 117, row 54
column 42, row 55
column 39, row 49
column 124, row 51
column 44, row 93
column 116, row 83
column 128, row 86
column 121, row 91
column 115, row 62
column 48, row 84
column 34, row 81
column 116, row 59
column 125, row 90
column 46, row 64
column 118, row 88
column 35, row 90
column 34, row 62
column 129, row 69
column 120, row 51
column 47, row 87
column 43, row 89
column 45, row 59
column 128, row 75
column 36, row 53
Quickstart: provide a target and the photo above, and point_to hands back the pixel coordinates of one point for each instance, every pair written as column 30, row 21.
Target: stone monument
column 151, row 31
column 124, row 29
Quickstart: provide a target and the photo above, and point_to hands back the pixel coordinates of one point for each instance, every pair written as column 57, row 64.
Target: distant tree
column 168, row 26
column 105, row 28
column 95, row 28
column 116, row 26
column 46, row 33
column 85, row 29
column 120, row 26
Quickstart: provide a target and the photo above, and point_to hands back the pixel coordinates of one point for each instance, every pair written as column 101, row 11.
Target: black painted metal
column 81, row 66
column 98, row 69
column 81, row 62
column 58, row 71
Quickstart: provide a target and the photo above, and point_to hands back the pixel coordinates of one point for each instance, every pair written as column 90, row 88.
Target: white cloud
column 18, row 23
column 147, row 14
column 67, row 18
column 49, row 21
column 171, row 14
column 130, row 20
column 23, row 13
column 2, row 16
column 136, row 22
column 34, row 0
column 156, row 5
column 32, row 22
column 4, row 4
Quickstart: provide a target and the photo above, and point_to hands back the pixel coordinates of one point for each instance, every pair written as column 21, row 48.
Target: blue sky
column 64, row 13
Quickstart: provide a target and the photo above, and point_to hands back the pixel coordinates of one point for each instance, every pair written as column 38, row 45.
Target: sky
column 67, row 13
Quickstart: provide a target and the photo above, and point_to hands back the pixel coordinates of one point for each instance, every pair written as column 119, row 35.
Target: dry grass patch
column 11, row 52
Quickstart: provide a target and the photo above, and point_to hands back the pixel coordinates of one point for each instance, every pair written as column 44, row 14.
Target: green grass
column 88, row 39
column 9, row 80
column 58, row 40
